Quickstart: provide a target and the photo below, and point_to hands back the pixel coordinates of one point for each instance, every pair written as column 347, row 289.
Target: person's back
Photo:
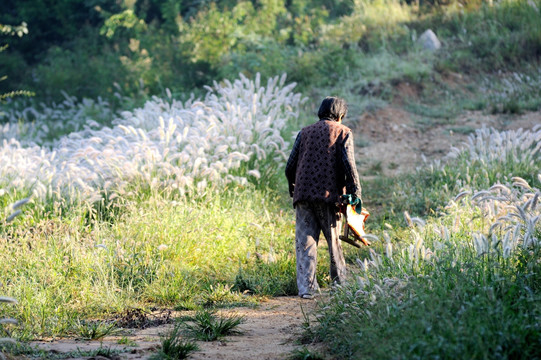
column 321, row 168
column 320, row 173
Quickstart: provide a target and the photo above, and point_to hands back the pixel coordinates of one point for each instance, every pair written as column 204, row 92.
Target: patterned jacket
column 321, row 166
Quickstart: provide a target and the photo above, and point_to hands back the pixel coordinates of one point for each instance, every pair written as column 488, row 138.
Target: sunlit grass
column 157, row 252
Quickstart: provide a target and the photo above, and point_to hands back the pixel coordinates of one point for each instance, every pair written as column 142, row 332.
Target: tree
column 10, row 30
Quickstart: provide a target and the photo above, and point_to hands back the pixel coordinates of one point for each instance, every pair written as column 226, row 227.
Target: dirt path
column 270, row 331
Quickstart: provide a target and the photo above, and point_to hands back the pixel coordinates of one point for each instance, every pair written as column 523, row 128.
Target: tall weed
column 237, row 135
column 41, row 124
column 487, row 157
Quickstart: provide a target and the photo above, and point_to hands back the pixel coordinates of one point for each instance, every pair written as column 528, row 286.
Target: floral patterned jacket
column 321, row 166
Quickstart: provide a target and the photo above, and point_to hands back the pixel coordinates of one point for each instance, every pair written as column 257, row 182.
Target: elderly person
column 321, row 168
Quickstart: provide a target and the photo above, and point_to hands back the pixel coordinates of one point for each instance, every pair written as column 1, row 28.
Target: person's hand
column 354, row 201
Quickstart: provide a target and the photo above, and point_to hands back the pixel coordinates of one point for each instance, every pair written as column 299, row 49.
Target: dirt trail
column 270, row 331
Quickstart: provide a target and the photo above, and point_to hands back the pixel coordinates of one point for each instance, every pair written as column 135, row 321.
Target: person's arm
column 291, row 166
column 353, row 185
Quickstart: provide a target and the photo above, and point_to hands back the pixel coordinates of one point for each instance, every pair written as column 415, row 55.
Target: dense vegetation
column 140, row 48
column 147, row 169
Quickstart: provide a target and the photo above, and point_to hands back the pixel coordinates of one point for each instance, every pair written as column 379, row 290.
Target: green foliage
column 173, row 347
column 205, row 325
column 166, row 12
column 216, row 32
column 126, row 19
column 149, row 46
column 50, row 22
column 94, row 330
column 19, row 31
column 90, row 68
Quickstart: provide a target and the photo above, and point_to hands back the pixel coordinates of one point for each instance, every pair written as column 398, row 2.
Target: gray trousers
column 312, row 219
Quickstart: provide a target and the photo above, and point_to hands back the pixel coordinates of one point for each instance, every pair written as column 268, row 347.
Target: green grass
column 173, row 347
column 157, row 252
column 267, row 278
column 94, row 330
column 459, row 305
column 488, row 37
column 205, row 325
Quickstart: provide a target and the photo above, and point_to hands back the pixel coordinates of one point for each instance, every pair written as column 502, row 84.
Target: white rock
column 429, row 41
